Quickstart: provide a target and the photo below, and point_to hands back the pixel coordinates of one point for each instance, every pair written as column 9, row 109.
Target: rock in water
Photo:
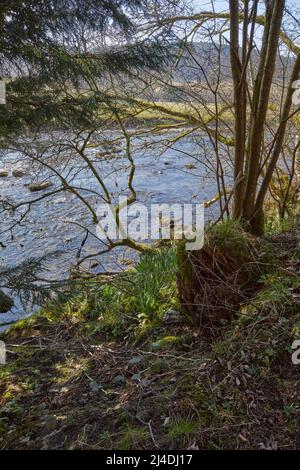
column 18, row 173
column 3, row 173
column 6, row 302
column 39, row 186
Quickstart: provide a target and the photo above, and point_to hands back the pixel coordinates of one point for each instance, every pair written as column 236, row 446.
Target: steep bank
column 117, row 367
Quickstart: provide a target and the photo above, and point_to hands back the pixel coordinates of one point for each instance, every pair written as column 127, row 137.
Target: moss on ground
column 103, row 370
column 213, row 282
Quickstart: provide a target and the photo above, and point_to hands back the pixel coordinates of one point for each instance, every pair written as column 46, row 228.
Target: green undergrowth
column 129, row 306
column 230, row 239
column 105, row 370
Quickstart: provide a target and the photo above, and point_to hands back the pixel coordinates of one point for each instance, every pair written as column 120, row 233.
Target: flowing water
column 171, row 176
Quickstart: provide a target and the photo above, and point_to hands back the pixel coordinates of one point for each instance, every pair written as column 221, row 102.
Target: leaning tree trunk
column 279, row 140
column 259, row 120
column 240, row 105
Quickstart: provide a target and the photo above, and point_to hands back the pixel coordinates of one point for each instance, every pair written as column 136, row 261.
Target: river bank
column 86, row 373
column 53, row 227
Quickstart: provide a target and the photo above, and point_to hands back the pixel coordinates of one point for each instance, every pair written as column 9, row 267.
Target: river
column 164, row 174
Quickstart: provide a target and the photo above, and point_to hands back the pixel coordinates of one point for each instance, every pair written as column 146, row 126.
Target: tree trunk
column 259, row 118
column 279, row 138
column 240, row 104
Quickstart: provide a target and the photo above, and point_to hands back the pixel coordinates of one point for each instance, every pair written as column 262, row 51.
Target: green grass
column 129, row 306
column 229, row 390
column 153, row 282
column 172, row 110
column 132, row 437
column 181, row 429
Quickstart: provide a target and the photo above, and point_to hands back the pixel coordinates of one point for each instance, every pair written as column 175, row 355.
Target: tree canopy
column 46, row 47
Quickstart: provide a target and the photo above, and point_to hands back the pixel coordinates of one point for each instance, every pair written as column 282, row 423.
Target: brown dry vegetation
column 115, row 375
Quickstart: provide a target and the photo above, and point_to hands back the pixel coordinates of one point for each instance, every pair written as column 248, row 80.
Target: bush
column 215, row 280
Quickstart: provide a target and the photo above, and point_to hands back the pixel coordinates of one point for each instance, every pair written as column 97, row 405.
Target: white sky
column 219, row 5
column 223, row 5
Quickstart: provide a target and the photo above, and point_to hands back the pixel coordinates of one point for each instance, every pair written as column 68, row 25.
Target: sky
column 219, row 5
column 223, row 5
